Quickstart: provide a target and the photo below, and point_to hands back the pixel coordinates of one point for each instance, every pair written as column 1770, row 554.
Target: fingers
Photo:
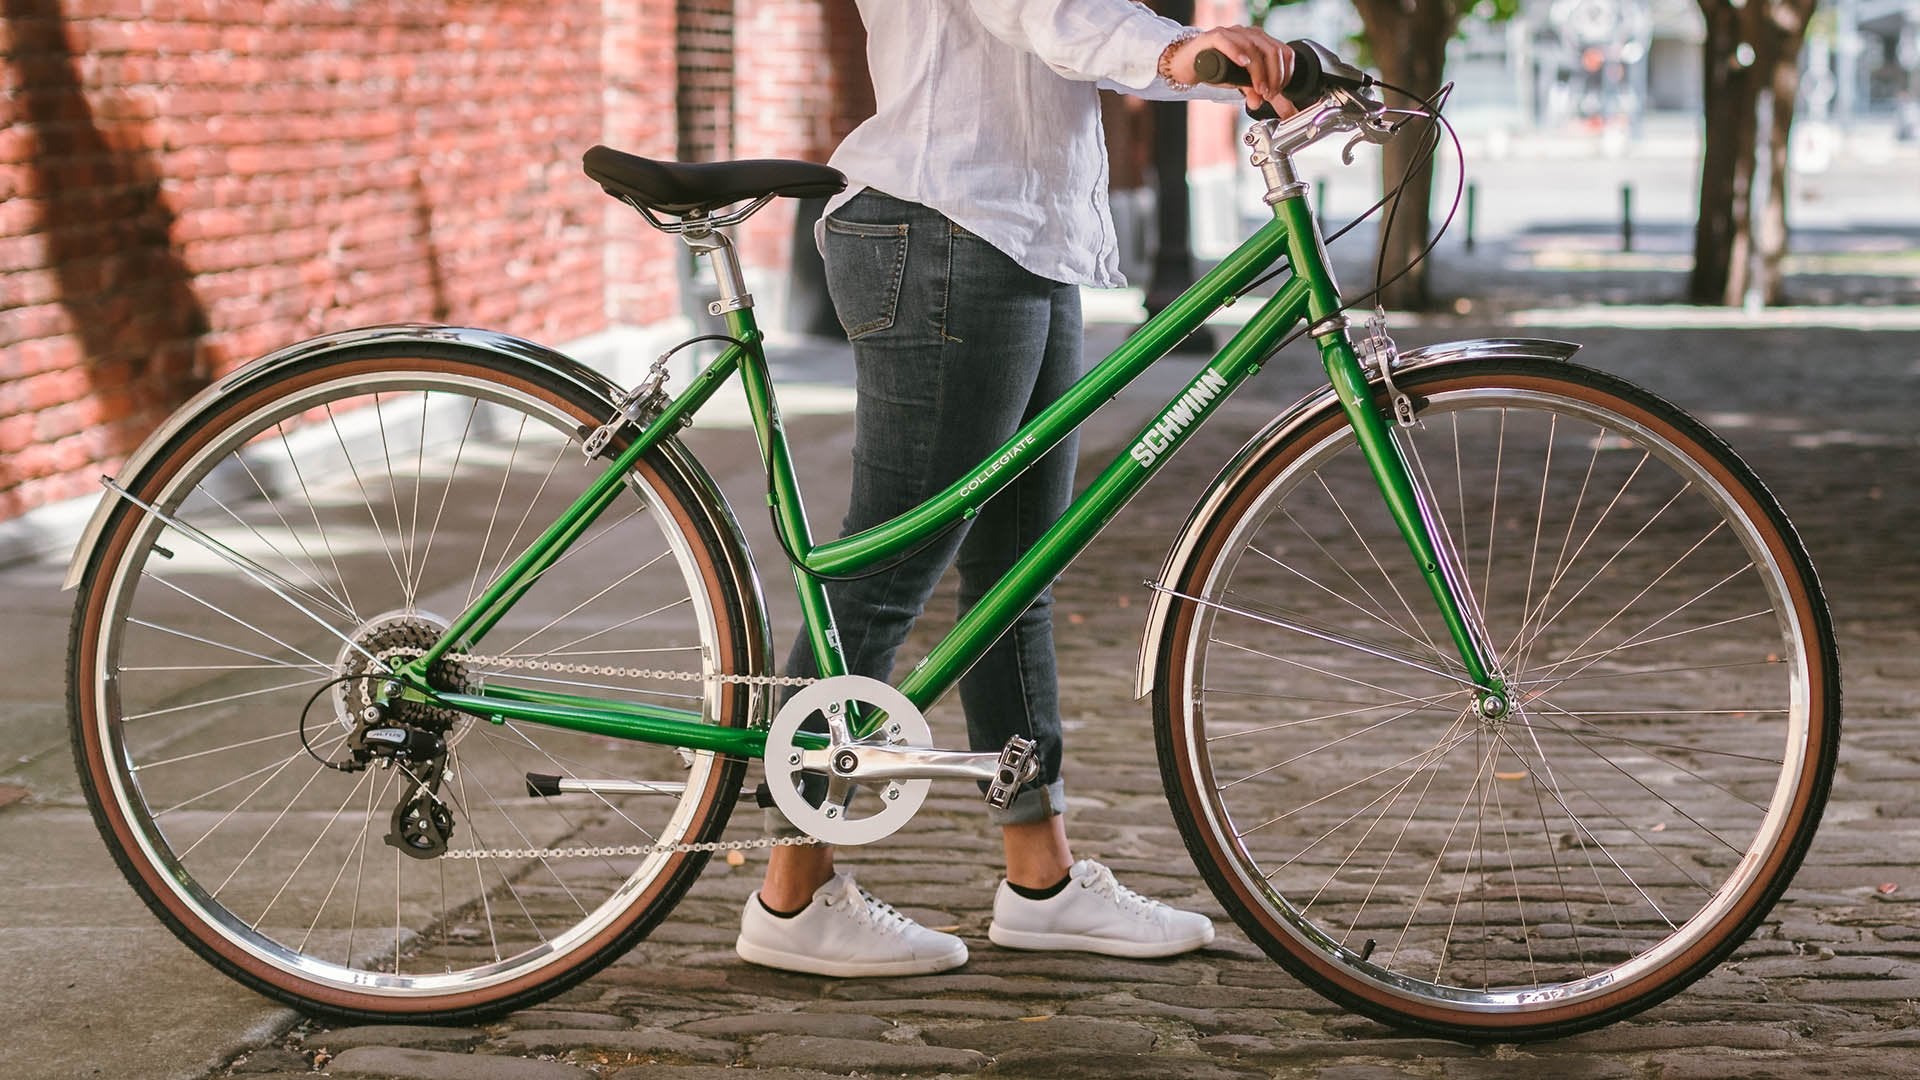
column 1269, row 62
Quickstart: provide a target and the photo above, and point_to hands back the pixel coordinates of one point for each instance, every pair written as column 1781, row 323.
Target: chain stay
column 605, row 671
column 562, row 667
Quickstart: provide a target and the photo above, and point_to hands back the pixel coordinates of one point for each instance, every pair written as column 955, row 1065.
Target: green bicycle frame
column 1309, row 295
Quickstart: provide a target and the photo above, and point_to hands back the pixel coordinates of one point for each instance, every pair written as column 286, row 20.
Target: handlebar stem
column 1274, row 142
column 1275, row 164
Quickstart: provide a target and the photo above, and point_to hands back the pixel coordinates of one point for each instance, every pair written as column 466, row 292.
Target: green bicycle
column 1494, row 696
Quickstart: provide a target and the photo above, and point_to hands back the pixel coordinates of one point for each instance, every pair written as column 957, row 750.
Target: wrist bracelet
column 1165, row 66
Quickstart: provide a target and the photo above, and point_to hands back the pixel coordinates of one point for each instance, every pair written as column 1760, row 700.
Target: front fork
column 1307, row 255
column 1411, row 511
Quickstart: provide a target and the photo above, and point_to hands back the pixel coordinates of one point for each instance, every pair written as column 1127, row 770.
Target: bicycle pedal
column 1016, row 764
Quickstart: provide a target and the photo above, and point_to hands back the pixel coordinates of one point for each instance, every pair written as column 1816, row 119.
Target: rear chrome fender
column 736, row 561
column 1307, row 410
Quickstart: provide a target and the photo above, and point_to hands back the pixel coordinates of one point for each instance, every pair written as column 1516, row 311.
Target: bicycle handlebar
column 1316, row 70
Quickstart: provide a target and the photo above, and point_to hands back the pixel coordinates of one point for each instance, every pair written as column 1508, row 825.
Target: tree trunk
column 1790, row 25
column 1409, row 39
column 1730, row 230
column 1726, row 166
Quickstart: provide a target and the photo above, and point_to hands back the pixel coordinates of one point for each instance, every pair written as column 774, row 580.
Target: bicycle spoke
column 493, row 519
column 311, row 848
column 268, row 831
column 275, row 768
column 1581, row 742
column 1382, row 651
column 1609, row 813
column 1631, row 609
column 575, row 609
column 1392, row 795
column 366, row 499
column 1323, row 746
column 1375, row 560
column 1344, row 789
column 527, row 841
column 479, row 879
column 151, row 765
column 516, row 729
column 393, row 493
column 1414, row 908
column 311, row 665
column 130, row 717
column 329, row 599
column 622, row 625
column 526, row 514
column 453, row 474
column 314, row 512
column 1436, row 754
column 1418, row 703
column 1644, row 589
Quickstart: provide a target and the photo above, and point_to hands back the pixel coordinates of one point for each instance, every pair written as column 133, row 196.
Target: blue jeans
column 955, row 346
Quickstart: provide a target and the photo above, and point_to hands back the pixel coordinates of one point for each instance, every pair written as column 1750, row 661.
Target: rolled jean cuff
column 1032, row 804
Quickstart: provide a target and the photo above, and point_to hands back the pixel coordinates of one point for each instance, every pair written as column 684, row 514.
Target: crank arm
column 864, row 763
column 868, row 764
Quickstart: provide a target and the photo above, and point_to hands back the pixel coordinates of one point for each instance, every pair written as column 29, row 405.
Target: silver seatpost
column 703, row 239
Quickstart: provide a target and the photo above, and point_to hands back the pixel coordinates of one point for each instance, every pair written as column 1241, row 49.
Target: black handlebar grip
column 1304, row 84
column 1212, row 66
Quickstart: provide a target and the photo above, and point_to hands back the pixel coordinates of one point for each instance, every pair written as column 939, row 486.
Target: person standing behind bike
column 975, row 210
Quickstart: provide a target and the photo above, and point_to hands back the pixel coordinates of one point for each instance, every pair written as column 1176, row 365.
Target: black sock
column 1047, row 893
column 778, row 914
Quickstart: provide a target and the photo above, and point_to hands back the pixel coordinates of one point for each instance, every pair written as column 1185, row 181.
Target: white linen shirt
column 989, row 112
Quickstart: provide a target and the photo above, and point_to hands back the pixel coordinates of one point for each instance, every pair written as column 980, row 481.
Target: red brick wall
column 637, row 78
column 800, row 84
column 181, row 192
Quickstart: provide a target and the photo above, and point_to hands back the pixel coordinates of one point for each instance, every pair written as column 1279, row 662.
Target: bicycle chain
column 626, row 849
column 561, row 667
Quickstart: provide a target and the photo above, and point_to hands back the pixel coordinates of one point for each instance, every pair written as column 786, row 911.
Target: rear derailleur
column 422, row 822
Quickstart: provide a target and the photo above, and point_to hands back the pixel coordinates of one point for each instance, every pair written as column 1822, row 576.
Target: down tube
column 1116, row 484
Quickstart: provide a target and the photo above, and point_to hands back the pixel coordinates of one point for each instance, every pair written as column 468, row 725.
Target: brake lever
column 1378, row 127
column 1346, row 152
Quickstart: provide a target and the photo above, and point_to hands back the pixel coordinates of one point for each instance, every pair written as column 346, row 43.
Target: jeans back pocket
column 865, row 265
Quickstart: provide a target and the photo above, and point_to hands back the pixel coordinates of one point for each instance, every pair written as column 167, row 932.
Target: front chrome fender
column 737, row 561
column 1304, row 411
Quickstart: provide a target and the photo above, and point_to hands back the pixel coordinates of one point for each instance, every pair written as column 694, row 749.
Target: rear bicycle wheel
column 382, row 489
column 1674, row 721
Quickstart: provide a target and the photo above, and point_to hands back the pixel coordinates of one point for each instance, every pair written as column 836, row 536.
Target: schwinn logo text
column 1178, row 418
column 999, row 463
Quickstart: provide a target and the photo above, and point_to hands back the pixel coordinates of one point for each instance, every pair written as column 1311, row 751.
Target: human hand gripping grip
column 1316, row 69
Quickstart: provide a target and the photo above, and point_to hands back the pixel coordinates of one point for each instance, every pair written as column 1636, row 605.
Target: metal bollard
column 1626, row 217
column 1473, row 197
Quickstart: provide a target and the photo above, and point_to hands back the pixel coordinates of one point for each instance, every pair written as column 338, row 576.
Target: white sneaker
column 844, row 932
column 1095, row 913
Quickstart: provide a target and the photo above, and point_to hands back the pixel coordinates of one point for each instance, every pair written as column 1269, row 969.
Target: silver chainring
column 851, row 814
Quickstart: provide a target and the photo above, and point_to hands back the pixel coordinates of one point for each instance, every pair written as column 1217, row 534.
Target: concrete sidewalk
column 98, row 987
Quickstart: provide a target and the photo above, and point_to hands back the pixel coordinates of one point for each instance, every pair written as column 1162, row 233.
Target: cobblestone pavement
column 1827, row 987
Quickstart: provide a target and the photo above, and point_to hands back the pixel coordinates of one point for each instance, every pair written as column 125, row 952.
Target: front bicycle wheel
column 338, row 514
column 1674, row 707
